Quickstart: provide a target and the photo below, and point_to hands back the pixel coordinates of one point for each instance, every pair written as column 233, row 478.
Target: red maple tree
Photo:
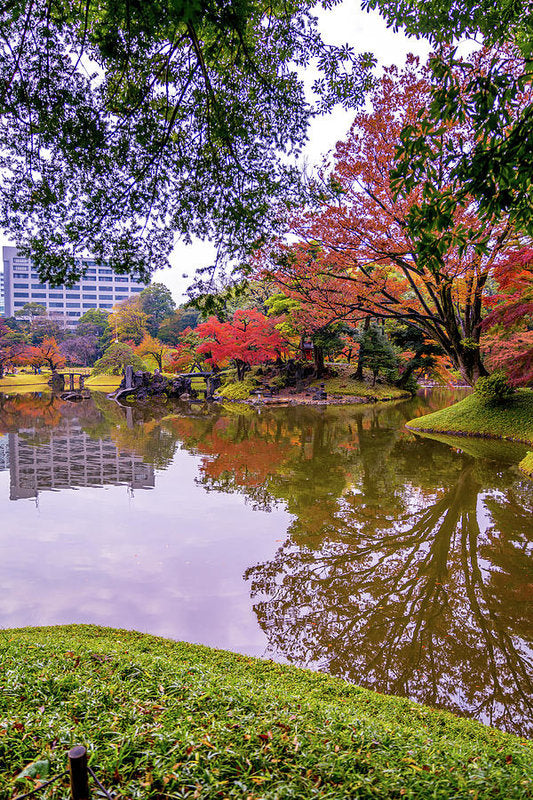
column 508, row 339
column 250, row 338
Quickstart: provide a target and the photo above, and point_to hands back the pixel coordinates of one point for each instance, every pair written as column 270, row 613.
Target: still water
column 325, row 537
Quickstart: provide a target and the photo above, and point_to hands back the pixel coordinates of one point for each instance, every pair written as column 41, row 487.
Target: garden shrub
column 236, row 391
column 494, row 389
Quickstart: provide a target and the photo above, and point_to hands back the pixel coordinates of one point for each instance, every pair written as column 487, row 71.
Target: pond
column 326, row 537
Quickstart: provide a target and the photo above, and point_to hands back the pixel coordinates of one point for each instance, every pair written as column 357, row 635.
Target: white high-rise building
column 100, row 287
column 2, row 301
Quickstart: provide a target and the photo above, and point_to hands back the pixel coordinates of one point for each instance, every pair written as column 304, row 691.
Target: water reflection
column 51, row 451
column 405, row 564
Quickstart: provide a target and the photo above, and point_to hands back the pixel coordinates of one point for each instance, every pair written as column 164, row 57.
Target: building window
column 20, row 286
column 56, row 295
column 106, row 297
column 89, row 297
column 39, row 286
column 19, row 260
column 21, row 294
column 73, row 305
column 18, row 304
column 56, row 305
column 20, row 274
column 89, row 278
column 121, row 279
column 73, row 313
column 137, row 288
column 106, row 305
column 89, row 305
column 104, row 271
column 103, row 278
column 41, row 296
column 73, row 296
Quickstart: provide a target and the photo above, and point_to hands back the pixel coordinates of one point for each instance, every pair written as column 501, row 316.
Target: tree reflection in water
column 407, row 565
column 425, row 588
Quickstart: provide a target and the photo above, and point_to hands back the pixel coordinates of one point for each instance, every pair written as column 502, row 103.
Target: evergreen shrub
column 494, row 389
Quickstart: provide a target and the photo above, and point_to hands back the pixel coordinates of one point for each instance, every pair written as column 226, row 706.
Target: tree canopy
column 496, row 171
column 125, row 122
column 357, row 252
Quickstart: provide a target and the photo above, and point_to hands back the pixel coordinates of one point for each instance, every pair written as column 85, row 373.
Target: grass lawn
column 170, row 720
column 380, row 391
column 25, row 381
column 473, row 417
column 108, row 382
column 342, row 384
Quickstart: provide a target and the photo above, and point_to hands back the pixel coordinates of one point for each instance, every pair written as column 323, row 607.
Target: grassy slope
column 342, row 384
column 471, row 416
column 171, row 720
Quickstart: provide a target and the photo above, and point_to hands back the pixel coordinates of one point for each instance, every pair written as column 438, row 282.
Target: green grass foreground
column 473, row 417
column 170, row 720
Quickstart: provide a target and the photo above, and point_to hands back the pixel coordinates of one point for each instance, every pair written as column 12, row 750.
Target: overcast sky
column 366, row 32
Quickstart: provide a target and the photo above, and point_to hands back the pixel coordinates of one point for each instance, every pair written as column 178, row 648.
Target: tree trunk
column 318, row 355
column 358, row 376
column 469, row 363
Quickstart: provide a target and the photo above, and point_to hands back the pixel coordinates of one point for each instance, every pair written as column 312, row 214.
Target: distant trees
column 172, row 327
column 12, row 346
column 94, row 321
column 117, row 356
column 157, row 350
column 157, row 303
column 46, row 354
column 42, row 327
column 30, row 311
column 128, row 322
column 80, row 350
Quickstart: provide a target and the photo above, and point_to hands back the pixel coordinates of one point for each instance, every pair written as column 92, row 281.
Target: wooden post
column 79, row 777
column 82, row 381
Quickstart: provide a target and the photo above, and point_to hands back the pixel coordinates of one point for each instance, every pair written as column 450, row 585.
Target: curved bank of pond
column 166, row 719
column 472, row 417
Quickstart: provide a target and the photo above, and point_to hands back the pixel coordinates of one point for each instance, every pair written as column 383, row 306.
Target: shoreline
column 471, row 418
column 302, row 400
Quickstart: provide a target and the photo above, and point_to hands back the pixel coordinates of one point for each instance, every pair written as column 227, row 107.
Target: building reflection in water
column 68, row 458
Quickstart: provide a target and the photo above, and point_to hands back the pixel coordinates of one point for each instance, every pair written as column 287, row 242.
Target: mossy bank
column 170, row 720
column 513, row 420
